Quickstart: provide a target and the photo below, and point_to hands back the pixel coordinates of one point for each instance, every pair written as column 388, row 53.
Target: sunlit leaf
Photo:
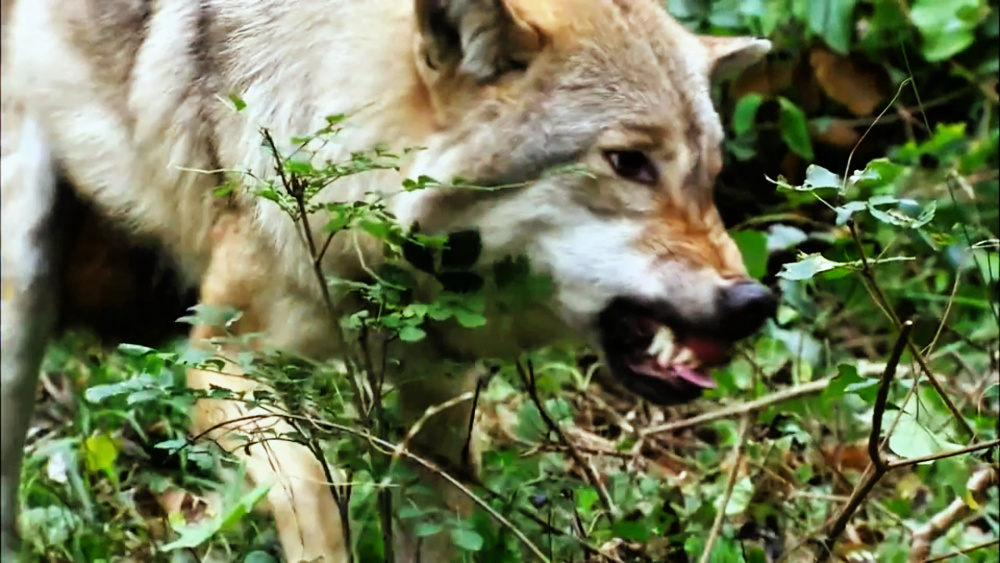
column 911, row 439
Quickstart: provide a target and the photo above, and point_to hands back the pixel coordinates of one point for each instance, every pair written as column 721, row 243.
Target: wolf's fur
column 124, row 98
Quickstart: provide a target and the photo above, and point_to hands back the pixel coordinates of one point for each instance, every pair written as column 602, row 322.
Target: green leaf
column 808, row 267
column 912, row 439
column 259, row 557
column 469, row 319
column 740, row 499
column 988, row 263
column 440, row 313
column 586, row 500
column 846, row 375
column 174, row 444
column 377, row 229
column 947, row 27
column 745, row 113
column 794, row 130
column 411, row 333
column 753, row 247
column 849, row 381
column 880, row 173
column 99, row 393
column 100, row 453
column 846, row 211
column 783, row 237
column 899, row 218
column 530, row 425
column 238, row 102
column 424, row 529
column 833, row 21
column 298, row 167
column 339, row 219
column 134, row 349
column 632, row 531
column 818, row 177
column 469, row 540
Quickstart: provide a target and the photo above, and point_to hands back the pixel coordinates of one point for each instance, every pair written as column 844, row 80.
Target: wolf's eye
column 634, row 166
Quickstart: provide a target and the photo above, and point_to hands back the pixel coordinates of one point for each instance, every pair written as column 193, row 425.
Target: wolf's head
column 640, row 259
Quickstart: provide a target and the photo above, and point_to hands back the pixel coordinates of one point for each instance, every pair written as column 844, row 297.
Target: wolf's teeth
column 662, row 345
column 665, row 356
column 685, row 357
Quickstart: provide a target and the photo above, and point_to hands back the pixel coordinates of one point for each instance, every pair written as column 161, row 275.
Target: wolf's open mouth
column 658, row 357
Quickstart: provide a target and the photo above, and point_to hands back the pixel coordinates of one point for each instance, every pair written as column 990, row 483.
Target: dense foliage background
column 862, row 183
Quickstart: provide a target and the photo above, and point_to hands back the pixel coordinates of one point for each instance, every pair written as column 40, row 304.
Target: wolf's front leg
column 31, row 262
column 305, row 512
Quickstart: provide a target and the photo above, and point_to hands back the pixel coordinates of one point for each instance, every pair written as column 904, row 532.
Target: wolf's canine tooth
column 662, row 344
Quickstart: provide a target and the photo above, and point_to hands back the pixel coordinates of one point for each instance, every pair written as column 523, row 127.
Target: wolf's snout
column 744, row 307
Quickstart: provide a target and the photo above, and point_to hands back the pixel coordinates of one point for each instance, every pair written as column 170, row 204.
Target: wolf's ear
column 479, row 38
column 730, row 56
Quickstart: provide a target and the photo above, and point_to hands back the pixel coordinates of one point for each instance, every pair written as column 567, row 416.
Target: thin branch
column 883, row 396
column 942, row 455
column 847, row 171
column 551, row 529
column 928, row 350
column 297, row 194
column 528, row 378
column 965, row 551
column 720, row 514
column 784, row 395
column 879, row 467
column 428, row 413
column 936, row 384
column 467, row 447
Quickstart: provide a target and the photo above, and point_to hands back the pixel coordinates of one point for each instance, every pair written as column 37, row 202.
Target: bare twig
column 924, row 537
column 551, row 529
column 467, row 447
column 720, row 515
column 430, row 412
column 297, row 192
column 847, row 171
column 965, row 551
column 978, row 446
column 879, row 467
column 789, row 394
column 936, row 384
column 528, row 378
column 882, row 397
column 947, row 312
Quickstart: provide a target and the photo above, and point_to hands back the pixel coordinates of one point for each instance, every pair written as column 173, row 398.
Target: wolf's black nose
column 744, row 307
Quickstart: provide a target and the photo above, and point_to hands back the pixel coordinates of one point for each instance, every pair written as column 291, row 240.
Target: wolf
column 126, row 102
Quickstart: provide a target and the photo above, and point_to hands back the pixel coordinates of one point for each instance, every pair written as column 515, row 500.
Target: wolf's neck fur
column 372, row 78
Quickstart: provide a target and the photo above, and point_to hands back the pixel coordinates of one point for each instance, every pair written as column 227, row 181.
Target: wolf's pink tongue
column 693, row 377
